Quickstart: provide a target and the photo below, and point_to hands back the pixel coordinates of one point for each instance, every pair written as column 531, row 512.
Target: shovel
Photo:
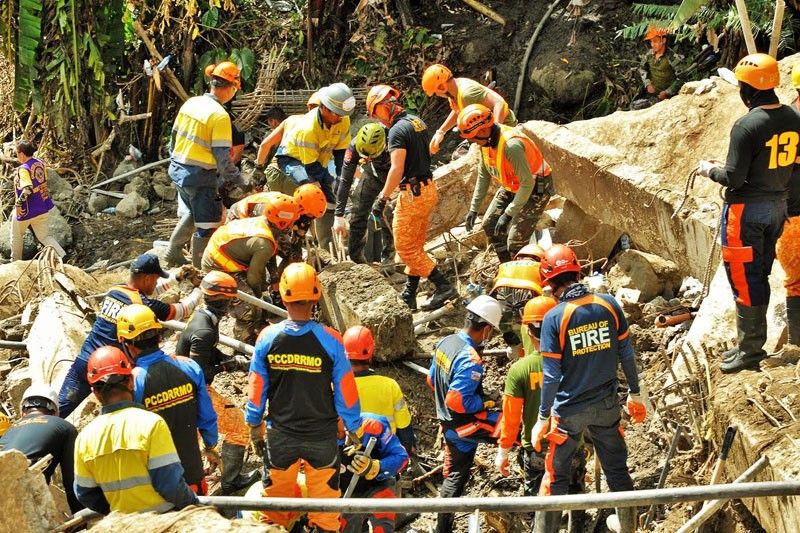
column 354, row 480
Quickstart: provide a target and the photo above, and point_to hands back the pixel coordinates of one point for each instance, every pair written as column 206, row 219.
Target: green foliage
column 416, row 100
column 244, row 58
column 28, row 41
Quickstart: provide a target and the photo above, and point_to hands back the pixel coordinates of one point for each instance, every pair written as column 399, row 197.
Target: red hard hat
column 359, row 343
column 105, row 362
column 557, row 260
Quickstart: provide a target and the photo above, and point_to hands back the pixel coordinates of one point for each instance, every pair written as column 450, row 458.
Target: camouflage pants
column 248, row 319
column 523, row 224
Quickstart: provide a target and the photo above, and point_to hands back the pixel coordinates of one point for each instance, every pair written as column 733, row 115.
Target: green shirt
column 472, row 92
column 524, row 380
column 515, row 154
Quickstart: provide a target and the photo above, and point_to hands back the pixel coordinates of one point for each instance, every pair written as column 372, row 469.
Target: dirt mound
column 189, row 520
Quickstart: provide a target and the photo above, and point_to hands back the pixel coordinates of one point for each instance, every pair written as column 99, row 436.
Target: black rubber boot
column 180, row 236
column 232, row 478
column 751, row 324
column 793, row 319
column 443, row 293
column 409, row 294
column 198, row 247
column 547, row 522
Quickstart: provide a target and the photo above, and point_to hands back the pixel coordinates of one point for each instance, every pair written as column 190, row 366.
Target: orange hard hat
column 530, row 251
column 359, row 343
column 654, row 31
column 435, row 78
column 219, row 285
column 310, row 200
column 227, row 71
column 105, row 362
column 759, row 71
column 536, row 308
column 378, row 94
column 473, row 119
column 281, row 210
column 557, row 260
column 299, row 282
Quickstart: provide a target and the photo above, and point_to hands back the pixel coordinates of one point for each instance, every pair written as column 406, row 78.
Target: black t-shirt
column 36, row 435
column 376, row 168
column 762, row 155
column 199, row 341
column 409, row 132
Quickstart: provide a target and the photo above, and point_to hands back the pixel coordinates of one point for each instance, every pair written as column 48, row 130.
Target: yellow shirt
column 382, row 395
column 202, row 124
column 308, row 140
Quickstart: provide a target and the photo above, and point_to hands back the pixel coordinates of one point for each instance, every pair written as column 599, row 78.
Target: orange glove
column 541, row 429
column 636, row 408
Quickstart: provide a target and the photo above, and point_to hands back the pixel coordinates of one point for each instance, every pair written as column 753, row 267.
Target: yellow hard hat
column 134, row 321
column 796, row 76
column 521, row 274
column 5, row 423
column 299, row 282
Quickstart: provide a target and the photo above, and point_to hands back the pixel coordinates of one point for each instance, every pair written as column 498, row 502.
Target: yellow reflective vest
column 382, row 395
column 202, row 124
column 237, row 229
column 308, row 140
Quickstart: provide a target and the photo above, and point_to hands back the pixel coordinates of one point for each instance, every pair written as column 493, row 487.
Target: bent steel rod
column 514, row 504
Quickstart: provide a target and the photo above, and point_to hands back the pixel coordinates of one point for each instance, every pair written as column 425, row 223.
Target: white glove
column 501, row 462
column 341, row 226
column 541, row 429
column 704, row 167
column 436, row 141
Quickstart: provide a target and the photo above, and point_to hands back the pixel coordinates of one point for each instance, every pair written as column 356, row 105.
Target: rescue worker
column 200, row 161
column 300, row 368
column 461, row 93
column 39, row 432
column 530, row 251
column 199, row 342
column 368, row 149
column 33, row 202
column 269, row 146
column 658, row 70
column 514, row 285
column 464, row 411
column 410, row 170
column 125, row 459
column 274, row 117
column 786, row 249
column 313, row 140
column 172, row 387
column 377, row 473
column 146, row 279
column 244, row 248
column 583, row 340
column 378, row 394
column 514, row 161
column 757, row 174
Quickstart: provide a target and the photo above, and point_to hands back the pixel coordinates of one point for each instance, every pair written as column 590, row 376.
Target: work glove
column 378, row 206
column 501, row 228
column 501, row 462
column 363, row 465
column 340, row 226
column 436, row 141
column 469, row 223
column 258, row 443
column 541, row 429
column 353, row 441
column 636, row 408
column 704, row 168
column 212, row 456
column 489, row 404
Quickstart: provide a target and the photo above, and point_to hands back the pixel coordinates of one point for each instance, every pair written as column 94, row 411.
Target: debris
column 139, row 184
column 188, row 520
column 484, row 10
column 132, row 205
column 644, row 272
column 165, row 192
column 130, row 173
column 57, row 227
column 28, row 506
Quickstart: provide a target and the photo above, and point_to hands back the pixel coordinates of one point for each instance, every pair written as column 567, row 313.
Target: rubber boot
column 444, row 291
column 409, row 294
column 232, row 478
column 323, row 228
column 547, row 522
column 624, row 521
column 180, row 236
column 751, row 324
column 793, row 319
column 198, row 247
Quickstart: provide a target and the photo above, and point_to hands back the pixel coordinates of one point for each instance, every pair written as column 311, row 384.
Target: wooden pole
column 777, row 22
column 172, row 80
column 485, row 10
column 747, row 30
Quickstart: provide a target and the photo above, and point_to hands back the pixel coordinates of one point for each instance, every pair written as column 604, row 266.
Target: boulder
column 28, row 506
column 132, row 205
column 60, row 189
column 562, row 85
column 126, row 165
column 358, row 294
column 139, row 184
column 160, row 175
column 165, row 191
column 573, row 224
column 15, row 384
column 97, row 202
column 57, row 226
column 645, row 272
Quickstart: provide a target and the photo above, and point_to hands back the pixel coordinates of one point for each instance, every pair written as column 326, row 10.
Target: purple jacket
column 39, row 201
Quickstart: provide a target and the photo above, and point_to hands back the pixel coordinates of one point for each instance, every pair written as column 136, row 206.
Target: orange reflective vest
column 244, row 208
column 245, row 228
column 494, row 159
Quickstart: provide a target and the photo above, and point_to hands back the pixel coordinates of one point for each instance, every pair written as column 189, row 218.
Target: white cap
column 42, row 390
column 487, row 308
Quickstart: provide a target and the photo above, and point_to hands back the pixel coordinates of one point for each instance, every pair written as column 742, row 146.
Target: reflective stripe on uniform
column 237, row 229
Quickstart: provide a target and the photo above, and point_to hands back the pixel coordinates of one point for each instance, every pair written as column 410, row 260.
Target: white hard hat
column 44, row 391
column 338, row 98
column 487, row 308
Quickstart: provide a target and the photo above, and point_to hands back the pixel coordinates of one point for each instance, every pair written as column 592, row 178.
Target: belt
column 410, row 182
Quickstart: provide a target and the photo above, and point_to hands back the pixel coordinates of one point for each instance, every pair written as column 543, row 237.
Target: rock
column 646, row 339
column 160, row 176
column 28, row 506
column 645, row 272
column 195, row 520
column 690, row 289
column 98, row 202
column 166, row 191
column 126, row 165
column 132, row 205
column 358, row 294
column 573, row 224
column 564, row 86
column 654, row 307
column 15, row 384
column 57, row 226
column 476, row 51
column 139, row 184
column 60, row 189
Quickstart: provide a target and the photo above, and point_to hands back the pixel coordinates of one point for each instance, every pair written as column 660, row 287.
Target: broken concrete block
column 199, row 519
column 358, row 294
column 166, row 191
column 645, row 272
column 28, row 506
column 15, row 384
column 573, row 224
column 98, row 202
column 455, row 182
column 132, row 205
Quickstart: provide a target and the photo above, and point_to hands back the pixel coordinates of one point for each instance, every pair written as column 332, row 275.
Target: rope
column 709, row 264
column 686, row 189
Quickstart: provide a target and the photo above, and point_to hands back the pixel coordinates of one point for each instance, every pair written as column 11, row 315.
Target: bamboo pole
column 485, row 10
column 131, row 173
column 747, row 30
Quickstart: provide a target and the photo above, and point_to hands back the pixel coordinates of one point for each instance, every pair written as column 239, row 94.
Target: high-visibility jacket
column 382, row 395
column 202, row 124
column 245, row 208
column 308, row 140
column 237, row 229
column 465, row 85
column 496, row 163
